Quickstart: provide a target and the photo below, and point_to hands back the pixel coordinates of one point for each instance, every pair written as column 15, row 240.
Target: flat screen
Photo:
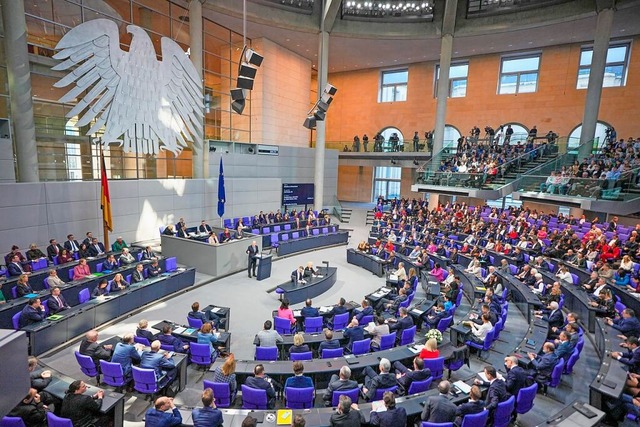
column 297, row 194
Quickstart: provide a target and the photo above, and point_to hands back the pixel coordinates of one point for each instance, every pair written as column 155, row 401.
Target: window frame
column 624, row 63
column 436, row 79
column 518, row 74
column 383, row 86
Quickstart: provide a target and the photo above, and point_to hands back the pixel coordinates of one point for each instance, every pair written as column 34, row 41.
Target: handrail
column 557, row 160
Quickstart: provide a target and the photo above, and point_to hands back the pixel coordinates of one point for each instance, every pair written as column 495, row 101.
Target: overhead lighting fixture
column 250, row 60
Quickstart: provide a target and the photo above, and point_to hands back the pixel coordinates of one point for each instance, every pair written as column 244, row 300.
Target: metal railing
column 565, row 159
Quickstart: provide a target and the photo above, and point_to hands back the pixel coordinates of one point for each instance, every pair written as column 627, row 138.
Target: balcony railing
column 497, row 7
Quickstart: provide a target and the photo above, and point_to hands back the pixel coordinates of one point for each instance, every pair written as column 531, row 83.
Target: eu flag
column 221, row 195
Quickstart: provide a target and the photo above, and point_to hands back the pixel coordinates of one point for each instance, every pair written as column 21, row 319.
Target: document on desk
column 216, row 310
column 484, row 378
column 324, row 309
column 415, row 349
column 462, row 386
column 393, row 277
column 179, row 330
column 417, row 312
column 297, row 313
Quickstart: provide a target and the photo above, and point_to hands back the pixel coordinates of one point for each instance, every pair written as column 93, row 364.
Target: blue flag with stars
column 221, row 195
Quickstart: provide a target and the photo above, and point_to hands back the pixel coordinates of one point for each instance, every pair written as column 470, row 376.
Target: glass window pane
column 585, row 57
column 613, row 76
column 583, row 78
column 451, row 136
column 393, row 190
column 459, row 88
column 508, row 83
column 616, row 54
column 458, row 71
column 520, row 64
column 387, row 94
column 401, row 93
column 528, row 82
column 379, row 189
column 393, row 77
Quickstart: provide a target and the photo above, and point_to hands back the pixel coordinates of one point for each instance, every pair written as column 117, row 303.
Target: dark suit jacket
column 157, row 418
column 395, row 417
column 402, row 324
column 262, row 384
column 143, row 333
column 497, row 393
column 80, row 408
column 309, row 312
column 137, row 276
column 206, row 228
column 544, row 365
column 380, row 381
column 53, row 305
column 438, row 409
column 353, row 418
column 629, row 327
column 209, row 417
column 23, row 289
column 15, row 269
column 556, row 319
column 367, row 311
column 297, row 276
column 51, row 250
column 411, row 376
column 354, row 334
column 95, row 351
column 30, row 315
column 252, row 251
column 67, row 245
column 632, row 359
column 339, row 385
column 93, row 251
column 468, row 408
column 516, row 379
column 172, row 341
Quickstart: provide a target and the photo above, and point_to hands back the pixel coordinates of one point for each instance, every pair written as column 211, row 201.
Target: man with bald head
column 162, row 363
column 516, row 375
column 158, row 415
column 89, row 347
column 252, row 253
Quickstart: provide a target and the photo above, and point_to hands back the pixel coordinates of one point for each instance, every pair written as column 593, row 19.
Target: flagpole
column 103, row 173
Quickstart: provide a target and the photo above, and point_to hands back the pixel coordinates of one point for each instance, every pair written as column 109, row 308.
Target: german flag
column 105, row 200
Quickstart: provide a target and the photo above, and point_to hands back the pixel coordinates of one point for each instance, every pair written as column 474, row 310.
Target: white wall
column 35, row 213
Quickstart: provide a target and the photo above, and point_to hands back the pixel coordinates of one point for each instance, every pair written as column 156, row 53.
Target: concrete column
column 323, row 72
column 596, row 76
column 200, row 161
column 19, row 75
column 434, row 200
column 446, row 48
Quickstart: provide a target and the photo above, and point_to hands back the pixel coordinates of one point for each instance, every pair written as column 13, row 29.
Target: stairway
column 345, row 216
column 370, row 218
column 514, row 173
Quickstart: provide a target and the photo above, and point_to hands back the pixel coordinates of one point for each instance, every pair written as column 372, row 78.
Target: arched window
column 520, row 133
column 387, row 133
column 574, row 136
column 451, row 135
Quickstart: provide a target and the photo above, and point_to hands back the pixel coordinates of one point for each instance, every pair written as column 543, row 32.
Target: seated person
column 154, row 270
column 207, row 335
column 366, row 310
column 347, row 413
column 363, row 246
column 83, row 409
column 391, row 305
column 32, row 313
column 543, row 365
column 298, row 380
column 373, row 381
column 89, row 347
column 118, row 283
column 126, row 353
column 438, row 408
column 392, row 415
column 353, row 332
column 478, row 333
column 226, row 235
column 309, row 310
column 169, row 231
column 119, row 245
column 430, row 350
column 101, row 290
column 110, row 263
column 143, row 332
column 208, row 415
column 339, row 383
column 339, row 309
column 403, row 322
column 162, row 363
column 267, row 337
column 203, row 316
column 96, row 248
column 604, row 305
column 126, row 258
column 138, row 274
column 437, row 273
column 284, row 312
column 406, row 376
column 329, row 342
column 433, row 316
column 53, row 280
column 474, row 406
column 298, row 344
column 261, row 381
column 213, row 239
column 627, row 324
column 64, row 257
column 204, row 228
column 297, row 276
column 31, row 410
column 309, row 271
column 23, row 287
column 376, row 331
column 56, row 302
column 148, row 254
column 168, row 339
column 158, row 415
column 225, row 373
column 81, row 270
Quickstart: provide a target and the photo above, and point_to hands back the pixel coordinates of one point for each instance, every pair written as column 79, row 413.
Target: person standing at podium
column 252, row 252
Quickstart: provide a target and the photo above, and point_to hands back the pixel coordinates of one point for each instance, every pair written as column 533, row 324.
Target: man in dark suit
column 339, row 383
column 138, row 274
column 353, row 332
column 297, row 276
column 15, row 267
column 613, row 225
column 167, row 339
column 373, row 381
column 261, row 381
column 340, row 308
column 516, row 376
column 393, row 416
column 89, row 347
column 204, row 227
column 406, row 376
column 56, row 302
column 347, row 414
column 54, row 249
column 555, row 317
column 367, row 310
column 563, row 346
column 309, row 310
column 148, row 254
column 543, row 365
column 392, row 305
column 88, row 238
column 252, row 253
column 433, row 316
column 158, row 415
column 33, row 312
column 143, row 332
column 329, row 342
column 404, row 322
column 71, row 244
column 628, row 324
column 154, row 270
column 473, row 406
column 439, row 409
column 125, row 354
column 96, row 248
column 208, row 415
column 162, row 363
column 497, row 392
column 631, row 358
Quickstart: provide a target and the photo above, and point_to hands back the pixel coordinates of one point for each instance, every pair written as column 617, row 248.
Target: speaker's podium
column 264, row 266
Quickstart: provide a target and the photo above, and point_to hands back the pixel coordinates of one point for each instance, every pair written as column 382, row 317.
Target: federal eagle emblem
column 145, row 105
